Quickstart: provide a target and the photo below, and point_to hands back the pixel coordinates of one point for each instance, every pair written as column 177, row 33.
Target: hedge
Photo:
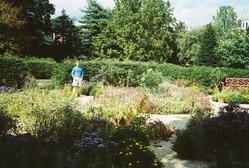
column 13, row 72
column 40, row 68
column 111, row 72
column 129, row 73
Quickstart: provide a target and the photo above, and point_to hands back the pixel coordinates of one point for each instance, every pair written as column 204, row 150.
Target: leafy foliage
column 233, row 49
column 189, row 45
column 11, row 24
column 13, row 72
column 231, row 95
column 221, row 138
column 37, row 15
column 136, row 23
column 226, row 18
column 132, row 149
column 190, row 144
column 7, row 123
column 40, row 68
column 151, row 79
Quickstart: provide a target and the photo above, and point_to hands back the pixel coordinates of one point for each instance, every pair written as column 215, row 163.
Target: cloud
column 73, row 8
column 194, row 17
column 192, row 12
column 197, row 13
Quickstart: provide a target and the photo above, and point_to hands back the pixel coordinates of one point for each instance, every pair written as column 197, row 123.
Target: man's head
column 77, row 63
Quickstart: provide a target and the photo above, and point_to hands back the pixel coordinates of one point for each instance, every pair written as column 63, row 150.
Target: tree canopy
column 226, row 18
column 66, row 36
column 206, row 55
column 234, row 49
column 95, row 19
column 139, row 30
column 10, row 26
column 37, row 14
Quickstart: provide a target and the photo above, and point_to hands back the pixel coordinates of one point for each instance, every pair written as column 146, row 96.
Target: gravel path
column 165, row 153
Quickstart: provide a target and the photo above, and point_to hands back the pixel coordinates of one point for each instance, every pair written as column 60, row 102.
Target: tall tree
column 233, row 49
column 226, row 17
column 139, row 30
column 95, row 19
column 207, row 54
column 66, row 36
column 37, row 14
column 179, row 27
column 10, row 28
column 189, row 45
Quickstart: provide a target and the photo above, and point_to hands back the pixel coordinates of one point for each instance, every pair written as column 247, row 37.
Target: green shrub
column 62, row 123
column 13, row 72
column 222, row 138
column 109, row 72
column 92, row 89
column 236, row 98
column 197, row 118
column 230, row 95
column 207, row 76
column 151, row 79
column 46, row 114
column 228, row 134
column 7, row 122
column 92, row 150
column 62, row 73
column 191, row 144
column 88, row 89
column 130, row 73
column 132, row 148
column 40, row 68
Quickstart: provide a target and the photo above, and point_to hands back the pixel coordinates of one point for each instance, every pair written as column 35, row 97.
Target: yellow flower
column 130, row 153
column 120, row 153
column 155, row 164
column 130, row 164
column 138, row 161
column 137, row 143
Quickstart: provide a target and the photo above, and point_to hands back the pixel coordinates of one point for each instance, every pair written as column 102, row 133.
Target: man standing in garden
column 77, row 74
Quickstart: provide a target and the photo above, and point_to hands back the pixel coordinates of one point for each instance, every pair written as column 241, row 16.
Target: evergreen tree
column 95, row 19
column 66, row 36
column 207, row 55
column 140, row 30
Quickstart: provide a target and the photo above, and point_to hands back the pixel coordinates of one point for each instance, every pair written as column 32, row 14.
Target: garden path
column 179, row 121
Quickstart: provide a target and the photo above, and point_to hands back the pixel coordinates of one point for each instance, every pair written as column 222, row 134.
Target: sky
column 193, row 12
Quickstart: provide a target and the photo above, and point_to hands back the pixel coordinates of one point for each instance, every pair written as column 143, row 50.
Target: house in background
column 245, row 18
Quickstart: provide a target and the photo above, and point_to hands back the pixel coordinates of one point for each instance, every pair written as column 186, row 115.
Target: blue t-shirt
column 77, row 72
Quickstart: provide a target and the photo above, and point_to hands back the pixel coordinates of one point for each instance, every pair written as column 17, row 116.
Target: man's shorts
column 77, row 81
